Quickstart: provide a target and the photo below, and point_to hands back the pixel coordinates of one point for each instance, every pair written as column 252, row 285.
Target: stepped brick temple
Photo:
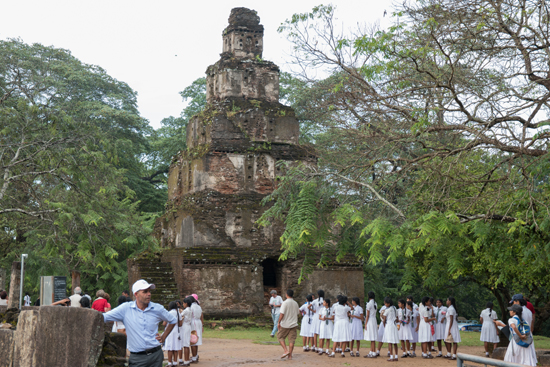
column 210, row 243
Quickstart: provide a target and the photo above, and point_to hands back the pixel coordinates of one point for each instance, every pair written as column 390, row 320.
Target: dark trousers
column 144, row 360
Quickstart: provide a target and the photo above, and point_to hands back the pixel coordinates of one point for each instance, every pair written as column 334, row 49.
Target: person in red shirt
column 100, row 304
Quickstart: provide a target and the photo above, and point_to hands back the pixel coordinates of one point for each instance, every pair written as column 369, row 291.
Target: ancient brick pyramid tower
column 215, row 187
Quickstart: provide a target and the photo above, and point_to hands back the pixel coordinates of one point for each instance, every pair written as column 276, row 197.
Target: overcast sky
column 160, row 47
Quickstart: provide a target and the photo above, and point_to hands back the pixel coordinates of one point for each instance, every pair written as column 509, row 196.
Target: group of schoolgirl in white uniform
column 322, row 322
column 190, row 322
column 406, row 324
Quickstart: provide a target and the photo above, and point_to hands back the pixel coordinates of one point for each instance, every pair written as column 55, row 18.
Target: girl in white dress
column 425, row 327
column 391, row 334
column 489, row 332
column 172, row 344
column 405, row 336
column 196, row 325
column 516, row 353
column 371, row 327
column 356, row 320
column 319, row 306
column 341, row 334
column 326, row 325
column 186, row 330
column 440, row 312
column 451, row 329
column 528, row 317
column 306, row 331
column 415, row 320
column 381, row 330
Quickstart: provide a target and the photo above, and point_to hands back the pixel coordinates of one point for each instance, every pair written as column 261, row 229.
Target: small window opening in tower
column 270, row 272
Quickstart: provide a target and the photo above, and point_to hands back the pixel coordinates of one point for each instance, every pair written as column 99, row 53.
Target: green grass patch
column 261, row 336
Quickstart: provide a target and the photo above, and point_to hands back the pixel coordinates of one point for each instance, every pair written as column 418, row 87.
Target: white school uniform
column 307, row 321
column 196, row 323
column 391, row 335
column 381, row 326
column 319, row 307
column 517, row 354
column 173, row 340
column 424, row 328
column 440, row 323
column 404, row 316
column 186, row 328
column 342, row 330
column 326, row 327
column 489, row 331
column 414, row 324
column 527, row 315
column 371, row 327
column 356, row 324
column 455, row 332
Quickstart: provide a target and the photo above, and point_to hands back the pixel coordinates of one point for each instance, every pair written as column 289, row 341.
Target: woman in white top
column 425, row 327
column 186, row 329
column 306, row 331
column 451, row 329
column 489, row 332
column 391, row 334
column 356, row 320
column 405, row 336
column 516, row 353
column 196, row 325
column 381, row 330
column 326, row 325
column 172, row 344
column 341, row 334
column 440, row 312
column 319, row 306
column 371, row 327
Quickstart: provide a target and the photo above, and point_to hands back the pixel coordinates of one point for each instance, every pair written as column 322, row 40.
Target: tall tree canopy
column 70, row 134
column 432, row 142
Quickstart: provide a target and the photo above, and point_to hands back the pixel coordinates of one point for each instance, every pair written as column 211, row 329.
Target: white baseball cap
column 141, row 285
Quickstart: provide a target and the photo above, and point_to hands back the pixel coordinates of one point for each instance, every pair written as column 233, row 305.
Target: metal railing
column 460, row 358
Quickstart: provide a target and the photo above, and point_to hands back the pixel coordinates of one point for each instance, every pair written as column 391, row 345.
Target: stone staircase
column 162, row 276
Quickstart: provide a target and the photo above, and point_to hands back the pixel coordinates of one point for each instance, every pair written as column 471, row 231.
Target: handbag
column 449, row 339
column 194, row 337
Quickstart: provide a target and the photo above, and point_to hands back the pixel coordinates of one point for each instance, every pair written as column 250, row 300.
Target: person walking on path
column 275, row 302
column 288, row 323
column 141, row 318
column 75, row 298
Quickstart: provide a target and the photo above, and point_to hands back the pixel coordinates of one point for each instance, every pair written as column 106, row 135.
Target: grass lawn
column 261, row 336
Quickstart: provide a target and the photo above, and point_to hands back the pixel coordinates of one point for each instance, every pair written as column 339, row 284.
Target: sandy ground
column 230, row 352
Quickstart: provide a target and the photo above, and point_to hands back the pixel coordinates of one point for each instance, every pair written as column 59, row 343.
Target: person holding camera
column 275, row 302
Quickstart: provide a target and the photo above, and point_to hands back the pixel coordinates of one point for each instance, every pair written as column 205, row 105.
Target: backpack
column 524, row 329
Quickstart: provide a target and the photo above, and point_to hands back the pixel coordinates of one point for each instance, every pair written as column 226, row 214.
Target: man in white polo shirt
column 288, row 323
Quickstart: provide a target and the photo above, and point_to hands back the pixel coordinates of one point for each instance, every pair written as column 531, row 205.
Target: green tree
column 432, row 147
column 68, row 138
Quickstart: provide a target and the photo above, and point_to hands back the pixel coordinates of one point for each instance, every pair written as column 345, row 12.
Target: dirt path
column 230, row 353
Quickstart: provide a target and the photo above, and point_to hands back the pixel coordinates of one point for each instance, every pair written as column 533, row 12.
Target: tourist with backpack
column 519, row 349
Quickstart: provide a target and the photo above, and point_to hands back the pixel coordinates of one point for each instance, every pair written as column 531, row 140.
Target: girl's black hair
column 489, row 305
column 172, row 305
column 411, row 298
column 432, row 300
column 356, row 300
column 327, row 301
column 342, row 300
column 370, row 295
column 523, row 302
column 402, row 301
column 425, row 300
column 388, row 300
column 121, row 300
column 453, row 303
column 85, row 302
column 440, row 300
column 309, row 297
column 520, row 314
column 321, row 293
column 410, row 303
column 189, row 301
